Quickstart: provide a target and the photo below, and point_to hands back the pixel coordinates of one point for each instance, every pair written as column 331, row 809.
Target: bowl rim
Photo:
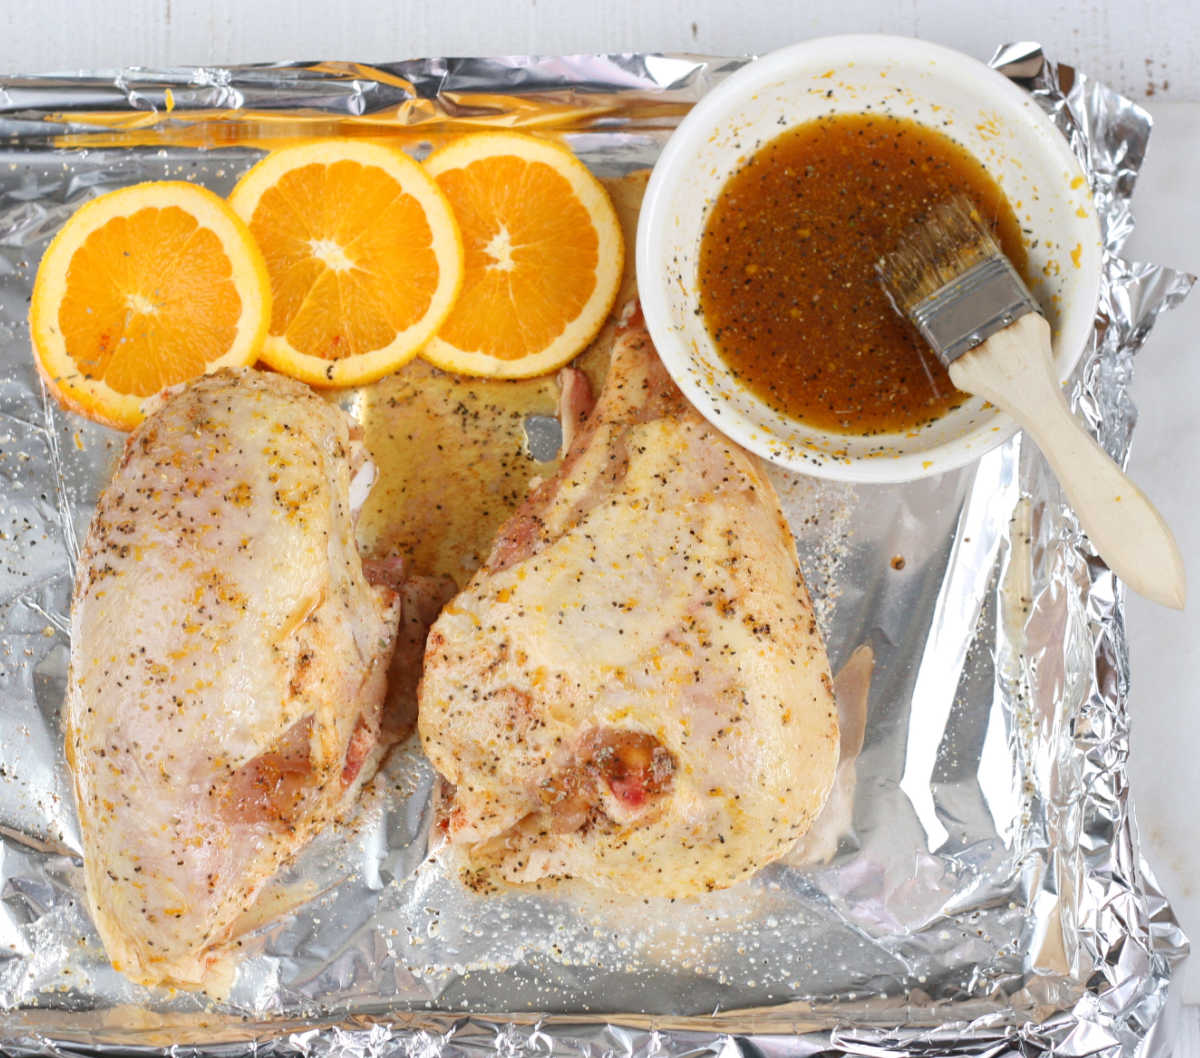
column 696, row 127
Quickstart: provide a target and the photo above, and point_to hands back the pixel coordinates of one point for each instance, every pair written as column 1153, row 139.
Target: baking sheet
column 984, row 891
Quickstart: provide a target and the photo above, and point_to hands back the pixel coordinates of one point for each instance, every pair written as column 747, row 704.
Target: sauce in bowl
column 787, row 269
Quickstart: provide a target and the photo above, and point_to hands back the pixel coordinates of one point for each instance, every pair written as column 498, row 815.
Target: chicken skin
column 228, row 664
column 633, row 690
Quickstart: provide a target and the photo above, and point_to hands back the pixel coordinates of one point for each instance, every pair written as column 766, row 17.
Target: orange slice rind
column 143, row 288
column 544, row 255
column 363, row 252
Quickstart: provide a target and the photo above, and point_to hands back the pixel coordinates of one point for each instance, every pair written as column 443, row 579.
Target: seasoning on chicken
column 633, row 689
column 228, row 664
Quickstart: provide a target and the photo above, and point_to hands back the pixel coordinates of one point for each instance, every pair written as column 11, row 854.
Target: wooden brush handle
column 1013, row 369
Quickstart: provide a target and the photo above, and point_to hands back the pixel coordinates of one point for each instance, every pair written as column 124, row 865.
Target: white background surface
column 1149, row 50
column 1133, row 44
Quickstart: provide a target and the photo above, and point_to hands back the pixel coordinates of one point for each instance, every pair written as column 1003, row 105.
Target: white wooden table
column 1148, row 49
column 1135, row 46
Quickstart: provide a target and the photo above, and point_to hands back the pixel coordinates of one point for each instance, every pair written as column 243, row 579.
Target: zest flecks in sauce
column 787, row 269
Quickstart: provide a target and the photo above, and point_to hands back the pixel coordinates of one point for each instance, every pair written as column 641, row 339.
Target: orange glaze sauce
column 787, row 269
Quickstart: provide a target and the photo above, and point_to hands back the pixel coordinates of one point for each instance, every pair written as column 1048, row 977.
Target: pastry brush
column 949, row 276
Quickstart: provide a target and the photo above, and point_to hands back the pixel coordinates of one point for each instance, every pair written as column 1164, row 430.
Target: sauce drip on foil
column 787, row 269
column 451, row 452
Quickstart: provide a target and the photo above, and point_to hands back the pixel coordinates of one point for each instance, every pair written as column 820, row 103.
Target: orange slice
column 364, row 256
column 544, row 255
column 143, row 288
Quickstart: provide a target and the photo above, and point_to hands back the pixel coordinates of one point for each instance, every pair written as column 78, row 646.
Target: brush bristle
column 935, row 251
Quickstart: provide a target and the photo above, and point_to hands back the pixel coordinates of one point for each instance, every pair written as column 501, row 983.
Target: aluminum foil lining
column 980, row 889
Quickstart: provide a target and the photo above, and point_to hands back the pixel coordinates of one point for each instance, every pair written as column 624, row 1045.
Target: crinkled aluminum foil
column 985, row 892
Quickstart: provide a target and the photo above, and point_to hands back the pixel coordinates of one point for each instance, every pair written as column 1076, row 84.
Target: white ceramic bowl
column 982, row 110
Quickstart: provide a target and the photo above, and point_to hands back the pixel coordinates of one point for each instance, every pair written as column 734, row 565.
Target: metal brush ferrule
column 970, row 309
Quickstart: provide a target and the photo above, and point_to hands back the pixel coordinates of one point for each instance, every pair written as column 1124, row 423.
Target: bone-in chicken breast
column 227, row 666
column 633, row 689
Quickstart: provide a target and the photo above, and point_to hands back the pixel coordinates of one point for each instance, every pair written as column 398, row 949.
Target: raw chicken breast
column 227, row 667
column 633, row 689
